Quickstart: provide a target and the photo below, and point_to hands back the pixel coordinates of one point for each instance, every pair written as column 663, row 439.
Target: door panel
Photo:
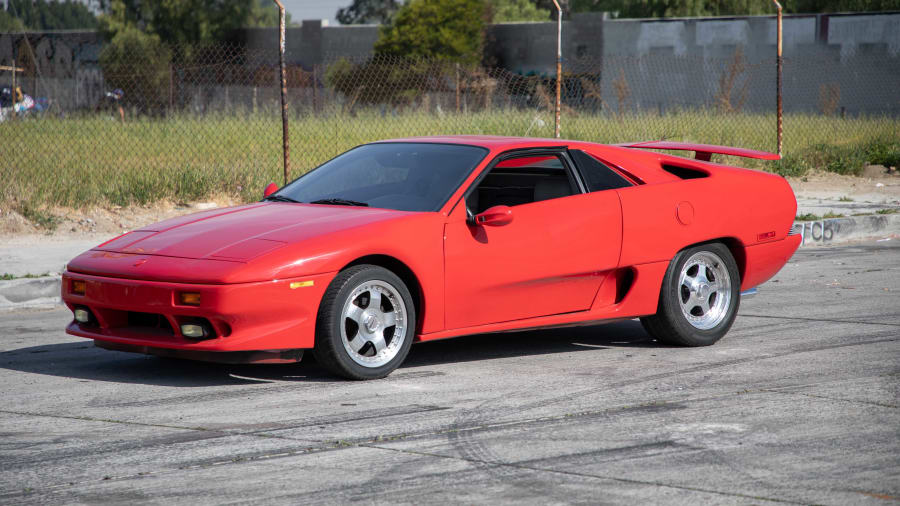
column 550, row 259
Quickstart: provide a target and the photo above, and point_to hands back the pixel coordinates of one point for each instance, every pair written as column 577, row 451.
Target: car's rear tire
column 366, row 323
column 699, row 297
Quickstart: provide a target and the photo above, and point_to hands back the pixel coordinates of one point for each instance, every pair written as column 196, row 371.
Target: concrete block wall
column 667, row 63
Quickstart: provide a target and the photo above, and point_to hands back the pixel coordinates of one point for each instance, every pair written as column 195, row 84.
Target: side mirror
column 494, row 216
column 270, row 189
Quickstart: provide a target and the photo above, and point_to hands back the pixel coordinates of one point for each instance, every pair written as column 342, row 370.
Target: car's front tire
column 366, row 323
column 699, row 298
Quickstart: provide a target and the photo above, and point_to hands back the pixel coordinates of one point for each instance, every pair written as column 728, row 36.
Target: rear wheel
column 699, row 298
column 365, row 324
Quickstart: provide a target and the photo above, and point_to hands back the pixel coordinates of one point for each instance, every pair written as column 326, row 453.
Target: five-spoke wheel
column 699, row 297
column 704, row 290
column 365, row 324
column 374, row 314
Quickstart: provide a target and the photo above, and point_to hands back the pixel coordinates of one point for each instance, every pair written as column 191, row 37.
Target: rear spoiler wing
column 704, row 151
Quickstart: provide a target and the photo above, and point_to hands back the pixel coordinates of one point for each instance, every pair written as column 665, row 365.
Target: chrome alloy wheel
column 704, row 290
column 374, row 323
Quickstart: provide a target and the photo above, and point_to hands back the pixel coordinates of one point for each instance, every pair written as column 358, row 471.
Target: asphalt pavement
column 798, row 404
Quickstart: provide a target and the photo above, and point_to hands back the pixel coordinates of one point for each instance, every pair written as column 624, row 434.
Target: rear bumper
column 766, row 259
column 269, row 315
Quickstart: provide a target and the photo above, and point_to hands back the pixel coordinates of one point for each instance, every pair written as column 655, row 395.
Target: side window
column 597, row 176
column 522, row 180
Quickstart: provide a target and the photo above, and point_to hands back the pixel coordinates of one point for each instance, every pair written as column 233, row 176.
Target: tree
column 46, row 15
column 264, row 14
column 517, row 10
column 811, row 6
column 139, row 63
column 182, row 23
column 368, row 12
column 436, row 29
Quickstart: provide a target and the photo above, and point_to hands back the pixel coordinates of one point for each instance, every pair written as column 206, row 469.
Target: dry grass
column 81, row 162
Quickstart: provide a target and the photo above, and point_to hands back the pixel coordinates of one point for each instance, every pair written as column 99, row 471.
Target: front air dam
column 220, row 357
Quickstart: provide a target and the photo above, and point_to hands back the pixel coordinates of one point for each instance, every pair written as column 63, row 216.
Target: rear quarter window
column 597, row 176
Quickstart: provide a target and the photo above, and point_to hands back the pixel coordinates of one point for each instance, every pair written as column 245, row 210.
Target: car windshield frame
column 451, row 188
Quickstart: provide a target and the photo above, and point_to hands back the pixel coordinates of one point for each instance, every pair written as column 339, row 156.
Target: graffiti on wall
column 61, row 67
column 815, row 232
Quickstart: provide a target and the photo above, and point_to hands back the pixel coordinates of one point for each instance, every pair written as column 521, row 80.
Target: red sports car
column 428, row 238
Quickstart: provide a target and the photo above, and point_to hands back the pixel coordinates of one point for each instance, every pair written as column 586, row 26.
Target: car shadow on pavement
column 623, row 334
column 82, row 361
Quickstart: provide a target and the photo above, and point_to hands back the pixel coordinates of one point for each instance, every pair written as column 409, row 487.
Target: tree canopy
column 265, row 14
column 45, row 15
column 382, row 11
column 437, row 29
column 177, row 22
column 503, row 11
column 368, row 12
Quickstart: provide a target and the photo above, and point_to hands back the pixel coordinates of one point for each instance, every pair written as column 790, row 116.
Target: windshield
column 404, row 176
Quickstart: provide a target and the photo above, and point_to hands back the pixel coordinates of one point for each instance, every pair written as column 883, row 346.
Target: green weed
column 884, row 151
column 7, row 276
column 39, row 217
column 790, row 165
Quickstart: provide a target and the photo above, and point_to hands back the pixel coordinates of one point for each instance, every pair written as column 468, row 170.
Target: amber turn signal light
column 78, row 287
column 189, row 298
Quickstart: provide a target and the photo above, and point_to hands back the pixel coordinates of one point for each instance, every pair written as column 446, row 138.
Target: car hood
column 242, row 233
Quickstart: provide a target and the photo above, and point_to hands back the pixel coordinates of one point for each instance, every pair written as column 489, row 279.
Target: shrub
column 883, row 152
column 139, row 63
column 790, row 165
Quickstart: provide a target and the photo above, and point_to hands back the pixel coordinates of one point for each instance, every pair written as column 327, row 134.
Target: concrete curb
column 44, row 292
column 30, row 293
column 843, row 230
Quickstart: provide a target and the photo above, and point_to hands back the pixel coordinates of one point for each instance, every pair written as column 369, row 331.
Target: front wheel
column 366, row 323
column 699, row 298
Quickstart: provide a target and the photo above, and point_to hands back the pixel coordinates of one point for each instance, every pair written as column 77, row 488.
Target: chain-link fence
column 185, row 124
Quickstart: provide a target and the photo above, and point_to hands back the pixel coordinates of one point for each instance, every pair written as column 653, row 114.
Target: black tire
column 337, row 333
column 680, row 319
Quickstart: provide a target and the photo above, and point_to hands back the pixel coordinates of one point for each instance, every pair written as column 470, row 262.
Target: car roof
column 487, row 141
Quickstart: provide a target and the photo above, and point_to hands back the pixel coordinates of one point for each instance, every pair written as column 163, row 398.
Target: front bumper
column 268, row 315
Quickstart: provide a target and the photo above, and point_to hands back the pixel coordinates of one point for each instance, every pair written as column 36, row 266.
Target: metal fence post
column 284, row 103
column 779, row 62
column 558, row 64
column 457, row 87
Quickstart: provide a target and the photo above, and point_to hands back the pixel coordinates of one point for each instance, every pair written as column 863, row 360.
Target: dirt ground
column 102, row 221
column 105, row 222
column 876, row 185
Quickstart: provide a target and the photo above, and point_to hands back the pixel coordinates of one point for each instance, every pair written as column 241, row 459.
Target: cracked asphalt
column 798, row 404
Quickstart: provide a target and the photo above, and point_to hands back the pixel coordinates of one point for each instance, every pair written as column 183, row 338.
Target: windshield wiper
column 340, row 202
column 280, row 198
